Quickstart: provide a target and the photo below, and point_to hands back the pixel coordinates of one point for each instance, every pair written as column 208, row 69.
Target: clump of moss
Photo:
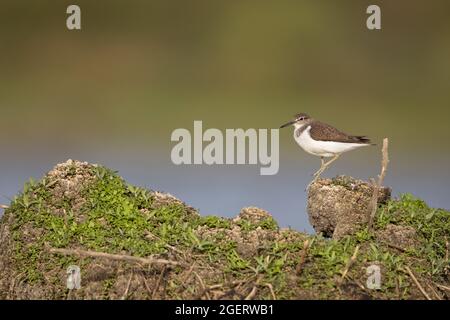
column 432, row 227
column 215, row 222
column 344, row 181
column 89, row 207
column 114, row 217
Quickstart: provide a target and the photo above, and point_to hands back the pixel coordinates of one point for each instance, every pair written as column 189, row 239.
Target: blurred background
column 113, row 92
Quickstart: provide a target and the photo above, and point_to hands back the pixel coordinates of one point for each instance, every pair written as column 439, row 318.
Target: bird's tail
column 362, row 139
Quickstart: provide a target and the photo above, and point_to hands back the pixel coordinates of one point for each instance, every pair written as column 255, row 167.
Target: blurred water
column 113, row 92
column 224, row 190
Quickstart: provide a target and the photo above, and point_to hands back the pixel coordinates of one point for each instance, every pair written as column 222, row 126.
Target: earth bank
column 132, row 243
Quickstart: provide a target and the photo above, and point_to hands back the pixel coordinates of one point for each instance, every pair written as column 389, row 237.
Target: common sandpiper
column 322, row 140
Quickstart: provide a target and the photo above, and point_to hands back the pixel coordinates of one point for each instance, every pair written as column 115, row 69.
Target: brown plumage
column 324, row 132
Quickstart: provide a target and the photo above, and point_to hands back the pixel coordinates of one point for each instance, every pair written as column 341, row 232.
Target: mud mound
column 404, row 237
column 340, row 206
column 82, row 232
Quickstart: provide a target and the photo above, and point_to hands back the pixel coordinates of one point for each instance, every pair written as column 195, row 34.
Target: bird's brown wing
column 324, row 132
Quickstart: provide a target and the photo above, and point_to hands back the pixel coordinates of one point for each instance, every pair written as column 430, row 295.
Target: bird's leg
column 322, row 160
column 332, row 160
column 324, row 167
column 318, row 172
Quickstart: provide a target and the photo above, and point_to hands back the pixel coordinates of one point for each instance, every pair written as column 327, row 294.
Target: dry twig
column 158, row 282
column 391, row 245
column 118, row 257
column 188, row 274
column 274, row 297
column 252, row 293
column 434, row 291
column 232, row 286
column 377, row 186
column 125, row 294
column 440, row 286
column 408, row 270
column 147, row 287
column 349, row 264
column 446, row 249
column 4, row 206
column 202, row 284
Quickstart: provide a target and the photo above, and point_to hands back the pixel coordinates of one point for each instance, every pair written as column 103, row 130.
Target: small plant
column 235, row 262
column 215, row 222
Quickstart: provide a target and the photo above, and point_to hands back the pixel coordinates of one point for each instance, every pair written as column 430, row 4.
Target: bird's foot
column 316, row 177
column 320, row 171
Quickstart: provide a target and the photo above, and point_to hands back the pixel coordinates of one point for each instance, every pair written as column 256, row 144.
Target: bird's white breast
column 323, row 148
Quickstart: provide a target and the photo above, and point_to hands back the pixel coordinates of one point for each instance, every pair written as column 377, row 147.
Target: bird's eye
column 302, row 118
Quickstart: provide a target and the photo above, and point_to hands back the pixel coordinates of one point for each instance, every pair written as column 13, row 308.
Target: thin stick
column 434, row 291
column 417, row 283
column 149, row 291
column 349, row 263
column 393, row 246
column 274, row 297
column 215, row 286
column 397, row 287
column 442, row 286
column 359, row 284
column 376, row 187
column 252, row 293
column 299, row 267
column 219, row 285
column 119, row 257
column 128, row 286
column 4, row 206
column 188, row 274
column 234, row 285
column 158, row 283
column 446, row 249
column 202, row 284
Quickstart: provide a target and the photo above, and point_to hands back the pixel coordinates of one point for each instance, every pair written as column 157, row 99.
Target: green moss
column 235, row 261
column 432, row 226
column 343, row 181
column 111, row 220
column 107, row 285
column 215, row 222
column 267, row 223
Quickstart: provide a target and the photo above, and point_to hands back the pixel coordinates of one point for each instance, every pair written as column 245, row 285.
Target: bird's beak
column 287, row 124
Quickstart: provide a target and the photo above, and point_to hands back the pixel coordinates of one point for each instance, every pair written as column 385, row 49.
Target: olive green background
column 113, row 92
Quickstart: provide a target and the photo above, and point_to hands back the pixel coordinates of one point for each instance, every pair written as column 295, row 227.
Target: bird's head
column 299, row 120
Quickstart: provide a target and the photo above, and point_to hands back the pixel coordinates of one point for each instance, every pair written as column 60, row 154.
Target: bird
column 323, row 140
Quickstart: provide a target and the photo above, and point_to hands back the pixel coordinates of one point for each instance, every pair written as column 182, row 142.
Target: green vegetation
column 267, row 223
column 432, row 226
column 107, row 215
